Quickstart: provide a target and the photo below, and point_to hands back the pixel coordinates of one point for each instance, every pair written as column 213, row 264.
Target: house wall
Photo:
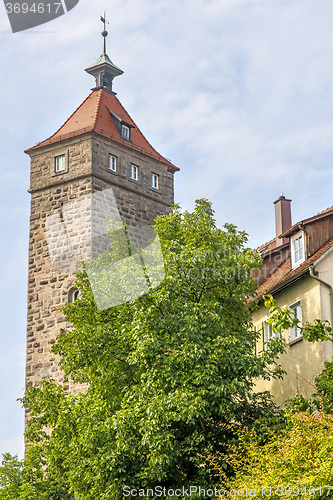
column 324, row 271
column 303, row 360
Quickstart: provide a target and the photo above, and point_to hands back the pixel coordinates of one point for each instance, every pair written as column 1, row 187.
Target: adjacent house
column 298, row 272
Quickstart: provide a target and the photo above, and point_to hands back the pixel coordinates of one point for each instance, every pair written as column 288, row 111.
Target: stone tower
column 99, row 147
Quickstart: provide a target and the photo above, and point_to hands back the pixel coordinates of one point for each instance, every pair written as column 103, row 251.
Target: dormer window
column 123, row 127
column 262, row 251
column 297, row 249
column 125, row 132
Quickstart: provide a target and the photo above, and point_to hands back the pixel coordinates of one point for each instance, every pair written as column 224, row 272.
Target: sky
column 237, row 93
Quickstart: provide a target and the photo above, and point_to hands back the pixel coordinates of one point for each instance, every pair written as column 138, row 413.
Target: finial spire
column 104, row 71
column 104, row 32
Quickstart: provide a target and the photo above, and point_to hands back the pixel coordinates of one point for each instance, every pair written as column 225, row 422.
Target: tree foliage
column 162, row 372
column 324, row 386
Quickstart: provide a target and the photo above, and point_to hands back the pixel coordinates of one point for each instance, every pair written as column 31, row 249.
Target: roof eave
column 286, row 283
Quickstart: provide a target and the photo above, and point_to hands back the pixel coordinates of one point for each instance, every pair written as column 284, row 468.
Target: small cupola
column 104, row 71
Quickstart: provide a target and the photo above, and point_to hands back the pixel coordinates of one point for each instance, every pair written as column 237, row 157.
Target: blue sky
column 237, row 93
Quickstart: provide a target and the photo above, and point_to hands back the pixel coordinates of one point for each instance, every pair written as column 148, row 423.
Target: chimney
column 282, row 218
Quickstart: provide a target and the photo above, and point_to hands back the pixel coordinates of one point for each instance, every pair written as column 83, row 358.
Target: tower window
column 134, row 172
column 112, row 163
column 73, row 294
column 60, row 163
column 125, row 132
column 154, row 181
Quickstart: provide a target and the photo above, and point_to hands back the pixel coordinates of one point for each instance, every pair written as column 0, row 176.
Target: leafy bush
column 295, row 462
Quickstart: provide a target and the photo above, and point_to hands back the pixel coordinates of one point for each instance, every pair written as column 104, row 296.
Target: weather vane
column 104, row 32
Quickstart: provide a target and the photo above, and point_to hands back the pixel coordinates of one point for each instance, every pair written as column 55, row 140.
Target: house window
column 295, row 332
column 60, row 163
column 154, row 181
column 134, row 172
column 112, row 163
column 125, row 132
column 268, row 332
column 297, row 249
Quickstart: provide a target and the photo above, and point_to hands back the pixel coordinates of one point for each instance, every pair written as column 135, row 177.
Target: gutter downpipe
column 312, row 274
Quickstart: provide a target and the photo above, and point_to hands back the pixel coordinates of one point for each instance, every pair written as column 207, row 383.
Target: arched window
column 73, row 294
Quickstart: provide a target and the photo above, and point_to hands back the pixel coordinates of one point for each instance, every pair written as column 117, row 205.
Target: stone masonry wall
column 86, row 172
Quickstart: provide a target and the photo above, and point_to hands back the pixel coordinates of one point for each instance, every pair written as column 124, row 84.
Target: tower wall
column 86, row 171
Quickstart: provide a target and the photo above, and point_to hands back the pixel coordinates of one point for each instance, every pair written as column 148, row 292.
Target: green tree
column 11, row 471
column 162, row 372
column 29, row 479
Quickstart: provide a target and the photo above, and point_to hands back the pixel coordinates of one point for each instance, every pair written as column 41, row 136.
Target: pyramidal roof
column 98, row 113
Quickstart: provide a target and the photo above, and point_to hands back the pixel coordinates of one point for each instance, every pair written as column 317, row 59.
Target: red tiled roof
column 93, row 115
column 284, row 273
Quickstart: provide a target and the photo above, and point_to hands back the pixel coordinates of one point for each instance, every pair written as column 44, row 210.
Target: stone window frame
column 115, row 158
column 134, row 172
column 154, row 177
column 58, row 164
column 64, row 155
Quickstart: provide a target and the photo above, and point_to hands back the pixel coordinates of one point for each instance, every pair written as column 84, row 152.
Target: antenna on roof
column 104, row 32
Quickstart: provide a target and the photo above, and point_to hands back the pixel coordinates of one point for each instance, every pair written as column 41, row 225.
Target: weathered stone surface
column 86, row 172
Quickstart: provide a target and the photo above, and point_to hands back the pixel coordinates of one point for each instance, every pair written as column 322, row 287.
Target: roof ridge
column 61, row 126
column 99, row 99
column 308, row 220
column 322, row 212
